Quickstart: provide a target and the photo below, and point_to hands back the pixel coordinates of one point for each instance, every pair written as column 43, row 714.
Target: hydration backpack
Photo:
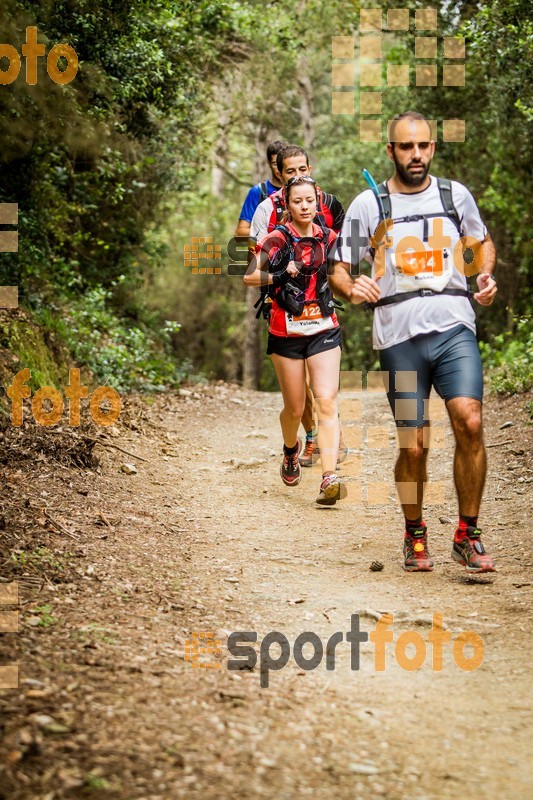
column 290, row 293
column 385, row 212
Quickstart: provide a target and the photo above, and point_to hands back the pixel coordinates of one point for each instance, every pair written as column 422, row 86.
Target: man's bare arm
column 243, row 228
column 485, row 281
column 361, row 290
column 489, row 256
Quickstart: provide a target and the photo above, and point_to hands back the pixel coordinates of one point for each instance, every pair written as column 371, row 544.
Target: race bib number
column 426, row 269
column 425, row 262
column 309, row 322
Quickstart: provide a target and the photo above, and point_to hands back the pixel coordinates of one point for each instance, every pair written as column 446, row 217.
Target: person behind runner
column 262, row 190
column 424, row 324
column 293, row 160
column 303, row 329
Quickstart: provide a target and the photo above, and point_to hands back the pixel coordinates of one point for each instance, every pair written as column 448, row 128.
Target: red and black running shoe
column 310, row 454
column 468, row 550
column 415, row 550
column 290, row 470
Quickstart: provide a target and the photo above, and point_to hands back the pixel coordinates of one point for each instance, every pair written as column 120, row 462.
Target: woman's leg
column 308, row 417
column 291, row 377
column 324, row 370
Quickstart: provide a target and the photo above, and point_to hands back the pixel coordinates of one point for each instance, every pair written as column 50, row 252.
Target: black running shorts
column 304, row 346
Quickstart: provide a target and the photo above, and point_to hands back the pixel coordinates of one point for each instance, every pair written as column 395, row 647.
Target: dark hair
column 406, row 115
column 288, row 152
column 274, row 148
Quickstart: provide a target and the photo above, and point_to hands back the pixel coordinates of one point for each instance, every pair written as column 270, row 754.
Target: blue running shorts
column 449, row 361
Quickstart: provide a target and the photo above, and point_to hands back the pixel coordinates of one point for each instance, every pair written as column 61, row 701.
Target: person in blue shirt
column 261, row 191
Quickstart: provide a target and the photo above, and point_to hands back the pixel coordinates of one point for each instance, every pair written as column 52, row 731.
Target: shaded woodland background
column 158, row 139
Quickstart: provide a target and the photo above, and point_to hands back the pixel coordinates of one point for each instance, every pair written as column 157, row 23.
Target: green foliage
column 95, row 782
column 30, row 346
column 46, row 618
column 212, row 308
column 121, row 355
column 112, row 172
column 509, row 359
column 90, row 164
column 41, row 558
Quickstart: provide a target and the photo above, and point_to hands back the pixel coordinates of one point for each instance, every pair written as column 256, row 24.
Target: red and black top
column 271, row 245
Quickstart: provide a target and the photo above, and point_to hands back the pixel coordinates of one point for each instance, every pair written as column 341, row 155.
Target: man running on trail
column 424, row 325
column 262, row 190
column 293, row 161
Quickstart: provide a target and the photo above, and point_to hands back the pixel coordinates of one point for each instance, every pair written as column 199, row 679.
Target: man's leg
column 470, row 461
column 408, row 372
column 410, row 471
column 469, row 470
column 458, row 378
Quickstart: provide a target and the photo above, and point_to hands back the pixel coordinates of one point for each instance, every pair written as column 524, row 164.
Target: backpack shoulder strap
column 384, row 207
column 324, row 199
column 279, row 208
column 285, row 255
column 446, row 197
column 263, row 189
column 286, row 232
column 288, row 249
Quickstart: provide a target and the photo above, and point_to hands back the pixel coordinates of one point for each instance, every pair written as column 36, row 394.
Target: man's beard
column 409, row 178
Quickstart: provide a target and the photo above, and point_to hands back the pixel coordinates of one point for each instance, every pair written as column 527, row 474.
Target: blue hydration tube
column 373, row 185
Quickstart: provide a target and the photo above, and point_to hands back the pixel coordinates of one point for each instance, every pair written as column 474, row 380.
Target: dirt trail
column 205, row 538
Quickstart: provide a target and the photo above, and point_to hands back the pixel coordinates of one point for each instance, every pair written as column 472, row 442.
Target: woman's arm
column 257, row 273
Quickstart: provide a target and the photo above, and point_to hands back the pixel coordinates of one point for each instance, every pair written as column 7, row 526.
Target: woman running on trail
column 303, row 329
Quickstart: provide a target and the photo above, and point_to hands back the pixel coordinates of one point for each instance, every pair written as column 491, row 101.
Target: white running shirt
column 398, row 322
column 260, row 219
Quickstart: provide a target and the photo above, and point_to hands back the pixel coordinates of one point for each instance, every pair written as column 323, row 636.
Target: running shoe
column 290, row 471
column 310, row 454
column 470, row 552
column 331, row 490
column 415, row 550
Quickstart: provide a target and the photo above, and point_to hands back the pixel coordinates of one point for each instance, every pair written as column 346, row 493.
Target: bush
column 508, row 358
column 121, row 355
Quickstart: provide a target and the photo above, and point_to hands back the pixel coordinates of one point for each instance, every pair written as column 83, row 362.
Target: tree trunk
column 253, row 355
column 252, row 344
column 305, row 88
column 218, row 173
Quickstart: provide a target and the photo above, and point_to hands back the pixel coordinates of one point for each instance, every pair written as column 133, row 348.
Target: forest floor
column 118, row 572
